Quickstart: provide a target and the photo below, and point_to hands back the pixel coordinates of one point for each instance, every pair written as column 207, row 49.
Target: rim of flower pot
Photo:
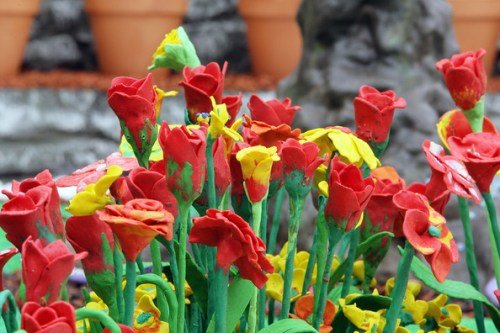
column 269, row 8
column 476, row 9
column 24, row 7
column 136, row 7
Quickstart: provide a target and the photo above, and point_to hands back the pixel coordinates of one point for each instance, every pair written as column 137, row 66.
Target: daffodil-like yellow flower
column 147, row 317
column 275, row 284
column 145, row 289
column 218, row 119
column 363, row 319
column 94, row 196
column 127, row 151
column 359, row 272
column 413, row 286
column 447, row 316
column 320, row 176
column 175, row 52
column 416, row 308
column 256, row 164
column 161, row 95
column 350, row 148
column 95, row 303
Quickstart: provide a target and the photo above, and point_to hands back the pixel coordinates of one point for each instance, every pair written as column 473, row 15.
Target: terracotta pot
column 274, row 37
column 127, row 32
column 16, row 18
column 477, row 24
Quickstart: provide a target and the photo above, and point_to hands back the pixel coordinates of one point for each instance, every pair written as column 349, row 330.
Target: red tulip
column 480, row 152
column 465, row 77
column 374, row 111
column 348, row 194
column 233, row 104
column 133, row 101
column 5, row 256
column 58, row 317
column 137, row 223
column 46, row 268
column 184, row 154
column 273, row 112
column 51, row 206
column 239, row 199
column 448, row 175
column 236, row 244
column 427, row 232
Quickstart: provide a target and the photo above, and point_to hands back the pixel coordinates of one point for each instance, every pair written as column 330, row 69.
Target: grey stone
column 53, row 52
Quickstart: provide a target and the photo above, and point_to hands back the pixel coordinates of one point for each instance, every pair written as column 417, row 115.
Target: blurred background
column 58, row 57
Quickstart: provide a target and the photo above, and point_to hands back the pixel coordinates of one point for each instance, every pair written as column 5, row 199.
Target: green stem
column 261, row 301
column 11, row 317
column 104, row 319
column 129, row 293
column 252, row 312
column 492, row 219
column 475, row 116
column 169, row 246
column 158, row 270
column 271, row 311
column 220, row 282
column 321, row 246
column 140, row 264
column 118, row 265
column 398, row 293
column 273, row 235
column 184, row 213
column 310, row 263
column 296, row 208
column 195, row 318
column 333, row 237
column 471, row 261
column 351, row 257
column 212, row 199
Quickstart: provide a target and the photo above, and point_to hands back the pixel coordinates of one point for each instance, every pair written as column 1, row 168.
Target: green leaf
column 455, row 289
column 289, row 326
column 361, row 249
column 334, row 294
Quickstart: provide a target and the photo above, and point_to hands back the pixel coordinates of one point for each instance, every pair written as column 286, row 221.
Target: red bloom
column 52, row 218
column 348, row 194
column 427, row 232
column 465, row 77
column 260, row 133
column 480, row 152
column 273, row 112
column 238, row 196
column 374, row 111
column 448, row 175
column 233, row 104
column 145, row 184
column 236, row 244
column 133, row 101
column 184, row 154
column 46, row 268
column 136, row 224
column 58, row 317
column 5, row 256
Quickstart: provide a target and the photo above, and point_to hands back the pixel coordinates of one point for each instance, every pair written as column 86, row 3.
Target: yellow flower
column 359, row 272
column 145, row 289
column 413, row 286
column 175, row 52
column 161, row 94
column 171, row 38
column 416, row 308
column 320, row 176
column 275, row 283
column 218, row 119
column 127, row 151
column 350, row 148
column 147, row 317
column 94, row 196
column 362, row 319
column 446, row 316
column 95, row 304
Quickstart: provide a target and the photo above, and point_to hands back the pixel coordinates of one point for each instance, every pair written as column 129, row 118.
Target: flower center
column 143, row 317
column 434, row 231
column 444, row 311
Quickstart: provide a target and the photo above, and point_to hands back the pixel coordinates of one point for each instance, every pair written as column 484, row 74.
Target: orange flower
column 259, row 133
column 304, row 308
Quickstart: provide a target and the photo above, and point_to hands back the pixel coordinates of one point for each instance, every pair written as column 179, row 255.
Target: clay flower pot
column 273, row 34
column 477, row 24
column 16, row 18
column 127, row 32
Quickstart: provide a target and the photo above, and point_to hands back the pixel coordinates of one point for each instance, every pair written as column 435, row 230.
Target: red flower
column 136, row 224
column 51, row 210
column 145, row 184
column 46, row 268
column 448, row 175
column 273, row 112
column 480, row 152
column 427, row 232
column 133, row 101
column 465, row 77
column 260, row 133
column 236, row 244
column 92, row 172
column 233, row 104
column 5, row 256
column 184, row 154
column 374, row 111
column 58, row 317
column 238, row 196
column 348, row 194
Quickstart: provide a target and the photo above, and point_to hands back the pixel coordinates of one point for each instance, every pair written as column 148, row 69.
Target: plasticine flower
column 446, row 316
column 175, row 52
column 134, row 102
column 448, row 175
column 185, row 160
column 300, row 161
column 304, row 308
column 239, row 199
column 348, row 195
column 94, row 196
column 137, row 223
column 358, row 272
column 147, row 317
column 142, row 183
column 454, row 123
column 260, row 133
column 52, row 218
column 219, row 117
column 350, row 148
column 5, row 256
column 465, row 77
column 45, row 268
column 236, row 244
column 273, row 112
column 275, row 285
column 57, row 317
column 256, row 164
column 374, row 111
column 427, row 232
column 365, row 320
column 480, row 152
column 92, row 172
